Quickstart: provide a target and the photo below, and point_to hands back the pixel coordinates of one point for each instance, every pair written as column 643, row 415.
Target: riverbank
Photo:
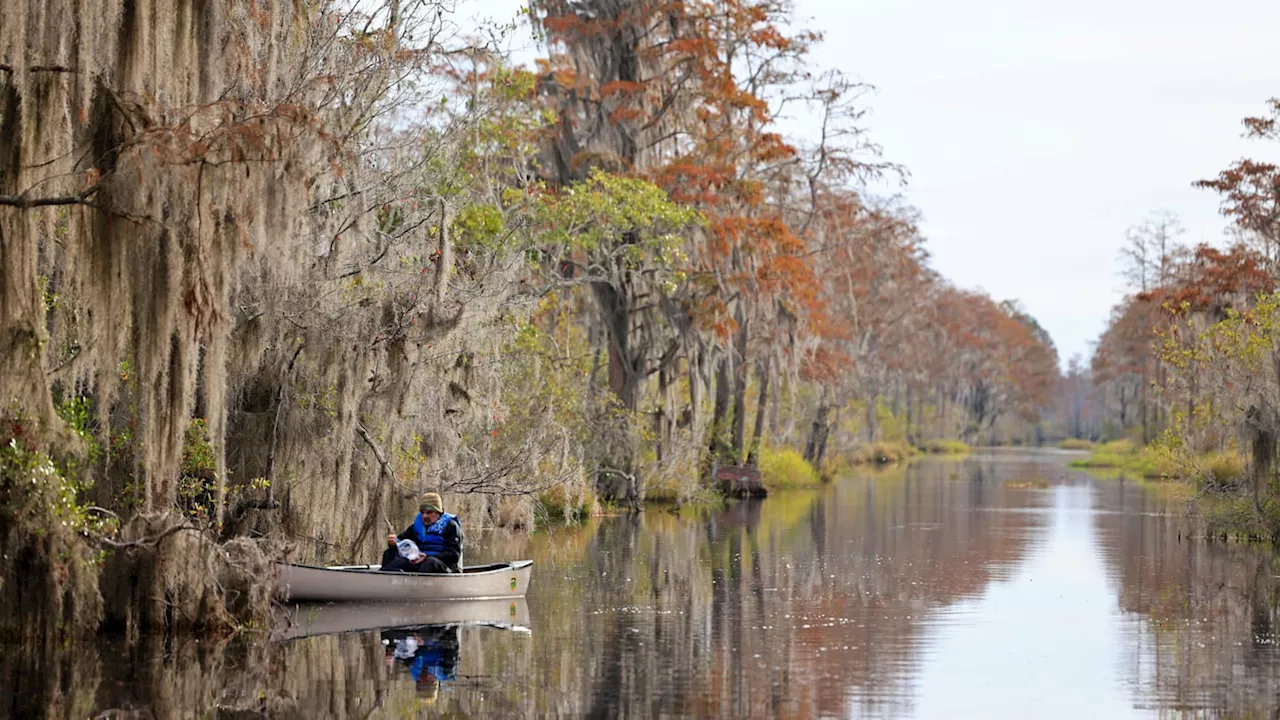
column 1155, row 462
column 780, row 469
column 786, row 469
column 1215, row 485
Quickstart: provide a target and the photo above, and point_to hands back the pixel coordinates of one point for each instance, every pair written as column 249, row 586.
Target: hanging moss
column 209, row 229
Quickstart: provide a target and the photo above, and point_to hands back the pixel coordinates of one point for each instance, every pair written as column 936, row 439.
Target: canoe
column 298, row 583
column 311, row 619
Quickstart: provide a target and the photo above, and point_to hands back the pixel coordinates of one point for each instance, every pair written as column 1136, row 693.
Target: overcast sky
column 1036, row 132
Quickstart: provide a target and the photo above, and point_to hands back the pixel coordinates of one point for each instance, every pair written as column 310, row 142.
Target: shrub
column 834, row 466
column 1119, row 447
column 1075, row 444
column 946, row 447
column 786, row 468
column 883, row 453
column 1115, row 454
column 890, row 452
column 1223, row 469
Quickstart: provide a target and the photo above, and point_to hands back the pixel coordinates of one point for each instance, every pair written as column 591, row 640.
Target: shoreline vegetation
column 253, row 318
column 1215, row 484
column 781, row 469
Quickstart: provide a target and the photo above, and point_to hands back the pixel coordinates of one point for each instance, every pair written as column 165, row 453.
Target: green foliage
column 34, row 492
column 544, row 370
column 1075, row 444
column 256, row 488
column 782, row 468
column 480, row 227
column 50, row 297
column 630, row 221
column 197, row 486
column 77, row 413
column 197, row 450
column 892, row 428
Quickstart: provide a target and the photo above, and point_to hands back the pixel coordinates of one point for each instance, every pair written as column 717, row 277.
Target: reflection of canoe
column 306, row 619
column 297, row 583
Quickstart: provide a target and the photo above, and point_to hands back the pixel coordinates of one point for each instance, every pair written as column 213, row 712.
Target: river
column 999, row 585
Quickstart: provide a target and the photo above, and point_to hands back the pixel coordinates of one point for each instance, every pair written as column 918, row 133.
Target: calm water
column 1002, row 585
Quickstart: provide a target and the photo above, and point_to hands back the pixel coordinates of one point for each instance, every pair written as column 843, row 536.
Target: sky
column 1036, row 132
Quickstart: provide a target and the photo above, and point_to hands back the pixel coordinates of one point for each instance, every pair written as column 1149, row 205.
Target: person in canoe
column 434, row 541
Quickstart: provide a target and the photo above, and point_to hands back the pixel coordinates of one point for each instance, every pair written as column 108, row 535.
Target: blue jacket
column 442, row 539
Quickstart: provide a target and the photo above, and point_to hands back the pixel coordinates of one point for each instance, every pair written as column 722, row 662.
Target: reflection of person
column 429, row 652
column 437, row 536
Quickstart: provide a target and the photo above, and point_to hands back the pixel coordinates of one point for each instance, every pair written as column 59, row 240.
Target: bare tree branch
column 23, row 202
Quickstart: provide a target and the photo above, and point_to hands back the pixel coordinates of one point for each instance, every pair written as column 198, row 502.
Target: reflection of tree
column 1203, row 613
column 786, row 607
column 808, row 604
column 330, row 676
column 48, row 682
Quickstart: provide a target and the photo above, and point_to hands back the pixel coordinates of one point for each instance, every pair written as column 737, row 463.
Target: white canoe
column 309, row 619
column 298, row 583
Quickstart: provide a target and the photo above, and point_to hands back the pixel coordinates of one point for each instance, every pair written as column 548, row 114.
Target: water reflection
column 309, row 619
column 1041, row 642
column 333, row 667
column 1002, row 585
column 429, row 653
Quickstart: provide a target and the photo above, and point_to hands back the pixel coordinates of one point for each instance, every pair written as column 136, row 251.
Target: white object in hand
column 408, row 550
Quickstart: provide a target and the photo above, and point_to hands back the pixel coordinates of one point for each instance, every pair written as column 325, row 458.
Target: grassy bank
column 1221, row 469
column 780, row 469
column 946, row 447
column 884, row 453
column 1215, row 484
column 1126, row 456
column 786, row 468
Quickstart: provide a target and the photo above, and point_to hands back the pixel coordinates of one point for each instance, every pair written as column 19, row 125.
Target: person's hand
column 391, row 539
column 421, row 557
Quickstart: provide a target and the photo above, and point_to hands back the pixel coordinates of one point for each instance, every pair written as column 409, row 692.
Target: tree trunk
column 696, row 360
column 873, row 427
column 615, row 314
column 774, row 403
column 821, row 452
column 911, row 431
column 661, row 423
column 617, row 456
column 1142, row 405
column 1191, row 407
column 740, row 370
column 720, row 452
column 762, row 370
column 819, row 423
